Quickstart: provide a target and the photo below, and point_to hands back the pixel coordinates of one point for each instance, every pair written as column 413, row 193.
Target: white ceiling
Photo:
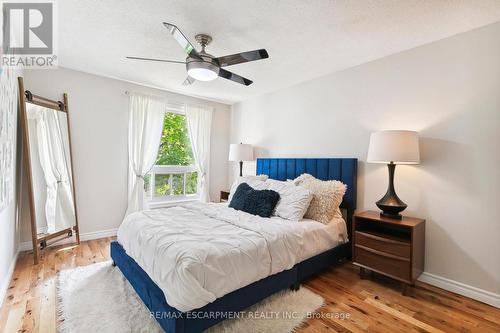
column 305, row 39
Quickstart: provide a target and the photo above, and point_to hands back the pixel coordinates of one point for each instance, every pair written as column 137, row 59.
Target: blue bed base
column 174, row 321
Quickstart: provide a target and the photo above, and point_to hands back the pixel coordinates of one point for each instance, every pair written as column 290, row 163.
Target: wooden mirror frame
column 25, row 96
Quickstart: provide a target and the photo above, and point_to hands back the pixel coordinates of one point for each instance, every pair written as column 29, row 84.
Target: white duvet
column 199, row 252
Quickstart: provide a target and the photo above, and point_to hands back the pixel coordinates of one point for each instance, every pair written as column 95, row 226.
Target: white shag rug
column 98, row 298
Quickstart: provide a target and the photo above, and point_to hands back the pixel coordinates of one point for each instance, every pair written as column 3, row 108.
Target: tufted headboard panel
column 343, row 169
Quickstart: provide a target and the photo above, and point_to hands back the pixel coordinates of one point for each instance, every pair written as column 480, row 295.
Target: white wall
column 9, row 227
column 98, row 109
column 449, row 91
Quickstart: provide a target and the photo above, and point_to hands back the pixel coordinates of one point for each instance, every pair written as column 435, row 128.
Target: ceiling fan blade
column 242, row 57
column 234, row 77
column 160, row 60
column 189, row 80
column 182, row 40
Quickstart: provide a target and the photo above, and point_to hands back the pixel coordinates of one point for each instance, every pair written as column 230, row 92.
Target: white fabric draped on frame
column 199, row 121
column 146, row 114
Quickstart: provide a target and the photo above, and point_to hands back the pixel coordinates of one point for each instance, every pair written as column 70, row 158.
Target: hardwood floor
column 352, row 305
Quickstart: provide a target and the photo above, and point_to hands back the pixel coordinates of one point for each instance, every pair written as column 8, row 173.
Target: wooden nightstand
column 224, row 196
column 394, row 248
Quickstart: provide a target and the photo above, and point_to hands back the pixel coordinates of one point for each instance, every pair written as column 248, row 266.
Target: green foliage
column 162, row 187
column 192, row 183
column 175, row 147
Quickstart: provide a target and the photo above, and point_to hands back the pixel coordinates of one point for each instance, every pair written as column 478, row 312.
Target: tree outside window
column 174, row 173
column 175, row 146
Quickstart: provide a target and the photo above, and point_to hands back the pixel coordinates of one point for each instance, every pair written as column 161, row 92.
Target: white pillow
column 294, row 200
column 256, row 182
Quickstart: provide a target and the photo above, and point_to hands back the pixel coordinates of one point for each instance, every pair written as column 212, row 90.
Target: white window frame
column 171, row 199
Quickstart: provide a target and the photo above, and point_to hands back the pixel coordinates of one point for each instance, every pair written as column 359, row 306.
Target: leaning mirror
column 48, row 164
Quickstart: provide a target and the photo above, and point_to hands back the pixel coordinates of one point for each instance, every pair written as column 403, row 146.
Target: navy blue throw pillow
column 254, row 202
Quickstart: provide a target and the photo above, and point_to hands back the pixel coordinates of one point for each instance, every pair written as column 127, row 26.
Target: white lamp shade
column 400, row 147
column 240, row 152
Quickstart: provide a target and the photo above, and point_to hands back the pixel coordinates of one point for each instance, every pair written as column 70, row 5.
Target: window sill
column 170, row 203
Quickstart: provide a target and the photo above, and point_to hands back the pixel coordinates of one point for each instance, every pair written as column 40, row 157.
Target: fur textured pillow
column 254, row 202
column 327, row 197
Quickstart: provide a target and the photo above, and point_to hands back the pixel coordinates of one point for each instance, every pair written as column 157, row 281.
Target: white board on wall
column 8, row 107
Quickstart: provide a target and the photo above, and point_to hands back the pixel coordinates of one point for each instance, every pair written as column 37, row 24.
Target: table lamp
column 391, row 148
column 240, row 152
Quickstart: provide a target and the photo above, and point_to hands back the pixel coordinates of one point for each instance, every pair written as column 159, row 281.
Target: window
column 174, row 175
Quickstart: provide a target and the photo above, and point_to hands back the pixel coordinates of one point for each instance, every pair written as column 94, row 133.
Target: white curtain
column 199, row 120
column 59, row 205
column 146, row 115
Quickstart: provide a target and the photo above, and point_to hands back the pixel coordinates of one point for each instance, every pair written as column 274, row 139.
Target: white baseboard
column 98, row 234
column 463, row 289
column 4, row 285
column 26, row 246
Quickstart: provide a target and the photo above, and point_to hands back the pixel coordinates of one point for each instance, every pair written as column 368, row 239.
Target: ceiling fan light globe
column 202, row 70
column 202, row 74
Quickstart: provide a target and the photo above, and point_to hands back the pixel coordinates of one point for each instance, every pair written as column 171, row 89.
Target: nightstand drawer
column 384, row 243
column 386, row 263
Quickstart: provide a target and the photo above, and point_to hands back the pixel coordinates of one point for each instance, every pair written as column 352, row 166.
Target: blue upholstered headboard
column 343, row 169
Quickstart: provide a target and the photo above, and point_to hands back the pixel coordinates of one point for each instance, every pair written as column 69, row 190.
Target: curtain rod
column 127, row 92
column 173, row 103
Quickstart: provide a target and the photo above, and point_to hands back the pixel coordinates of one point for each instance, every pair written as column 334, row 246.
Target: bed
column 215, row 309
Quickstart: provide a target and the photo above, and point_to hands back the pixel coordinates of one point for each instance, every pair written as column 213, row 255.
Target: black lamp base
column 390, row 204
column 241, row 168
column 396, row 216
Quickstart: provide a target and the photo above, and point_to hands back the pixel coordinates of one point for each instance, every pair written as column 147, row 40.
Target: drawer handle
column 386, row 240
column 383, row 254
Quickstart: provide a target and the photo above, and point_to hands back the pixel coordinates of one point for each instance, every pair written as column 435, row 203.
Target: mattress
column 198, row 252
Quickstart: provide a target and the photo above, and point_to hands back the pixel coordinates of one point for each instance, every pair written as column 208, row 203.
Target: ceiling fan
column 205, row 67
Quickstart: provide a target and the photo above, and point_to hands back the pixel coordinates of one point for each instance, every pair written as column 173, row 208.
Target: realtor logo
column 28, row 34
